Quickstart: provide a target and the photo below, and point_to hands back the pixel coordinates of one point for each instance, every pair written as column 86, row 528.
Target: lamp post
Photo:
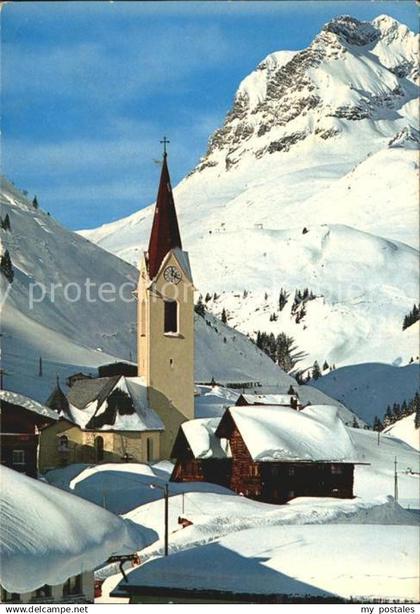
column 165, row 490
column 166, row 514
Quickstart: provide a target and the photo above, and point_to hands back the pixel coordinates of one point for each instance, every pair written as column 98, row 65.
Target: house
column 200, row 455
column 281, row 400
column 269, row 453
column 101, row 419
column 51, row 541
column 118, row 368
column 22, row 420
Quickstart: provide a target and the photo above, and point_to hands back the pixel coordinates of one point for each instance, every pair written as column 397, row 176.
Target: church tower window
column 171, row 317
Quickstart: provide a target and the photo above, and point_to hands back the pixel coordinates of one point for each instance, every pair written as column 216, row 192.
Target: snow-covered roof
column 48, row 535
column 273, row 433
column 200, row 434
column 91, row 406
column 269, row 399
column 291, row 560
column 20, row 400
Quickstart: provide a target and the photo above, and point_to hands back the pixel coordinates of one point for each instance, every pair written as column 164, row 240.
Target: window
column 149, row 449
column 336, row 469
column 73, row 586
column 253, row 471
column 99, row 448
column 171, row 317
column 44, row 591
column 18, row 457
column 63, row 443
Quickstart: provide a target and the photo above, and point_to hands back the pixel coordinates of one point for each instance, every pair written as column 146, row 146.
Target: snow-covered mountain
column 311, row 181
column 370, row 388
column 69, row 332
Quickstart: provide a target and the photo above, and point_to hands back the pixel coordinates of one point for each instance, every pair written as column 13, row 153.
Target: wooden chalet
column 269, row 453
column 280, row 400
column 22, row 419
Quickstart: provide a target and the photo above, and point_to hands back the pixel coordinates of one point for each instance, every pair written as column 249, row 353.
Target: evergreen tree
column 282, row 299
column 411, row 317
column 325, row 366
column 208, row 297
column 35, row 202
column 300, row 314
column 388, row 418
column 284, row 350
column 40, row 369
column 316, row 371
column 355, row 424
column 6, row 266
column 377, row 424
column 200, row 308
column 5, row 224
column 224, row 316
column 265, row 296
column 245, row 294
column 417, row 410
column 291, row 390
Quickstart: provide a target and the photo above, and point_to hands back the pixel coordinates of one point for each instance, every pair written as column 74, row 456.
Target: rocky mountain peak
column 353, row 70
column 351, row 31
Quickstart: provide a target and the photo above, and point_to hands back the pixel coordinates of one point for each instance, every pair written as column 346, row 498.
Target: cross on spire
column 164, row 143
column 165, row 231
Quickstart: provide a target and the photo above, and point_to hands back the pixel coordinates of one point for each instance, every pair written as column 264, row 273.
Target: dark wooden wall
column 18, row 431
column 270, row 482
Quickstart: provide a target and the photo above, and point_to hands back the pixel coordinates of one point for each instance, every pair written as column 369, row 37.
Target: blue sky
column 89, row 89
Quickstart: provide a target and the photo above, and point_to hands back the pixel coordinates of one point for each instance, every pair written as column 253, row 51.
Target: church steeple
column 165, row 319
column 165, row 231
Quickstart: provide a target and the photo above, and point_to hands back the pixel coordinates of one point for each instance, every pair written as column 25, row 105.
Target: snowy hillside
column 405, row 430
column 368, row 389
column 69, row 335
column 320, row 139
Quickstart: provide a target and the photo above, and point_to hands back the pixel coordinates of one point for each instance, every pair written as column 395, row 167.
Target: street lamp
column 165, row 490
column 166, row 512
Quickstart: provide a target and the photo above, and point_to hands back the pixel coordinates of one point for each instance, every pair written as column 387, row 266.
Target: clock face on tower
column 172, row 275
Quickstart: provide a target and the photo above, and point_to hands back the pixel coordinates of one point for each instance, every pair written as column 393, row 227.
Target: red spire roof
column 165, row 231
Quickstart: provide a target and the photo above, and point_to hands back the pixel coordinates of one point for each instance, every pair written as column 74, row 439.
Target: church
column 165, row 331
column 124, row 416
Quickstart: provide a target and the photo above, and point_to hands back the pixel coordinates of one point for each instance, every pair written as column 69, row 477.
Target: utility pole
column 166, row 491
column 395, row 481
